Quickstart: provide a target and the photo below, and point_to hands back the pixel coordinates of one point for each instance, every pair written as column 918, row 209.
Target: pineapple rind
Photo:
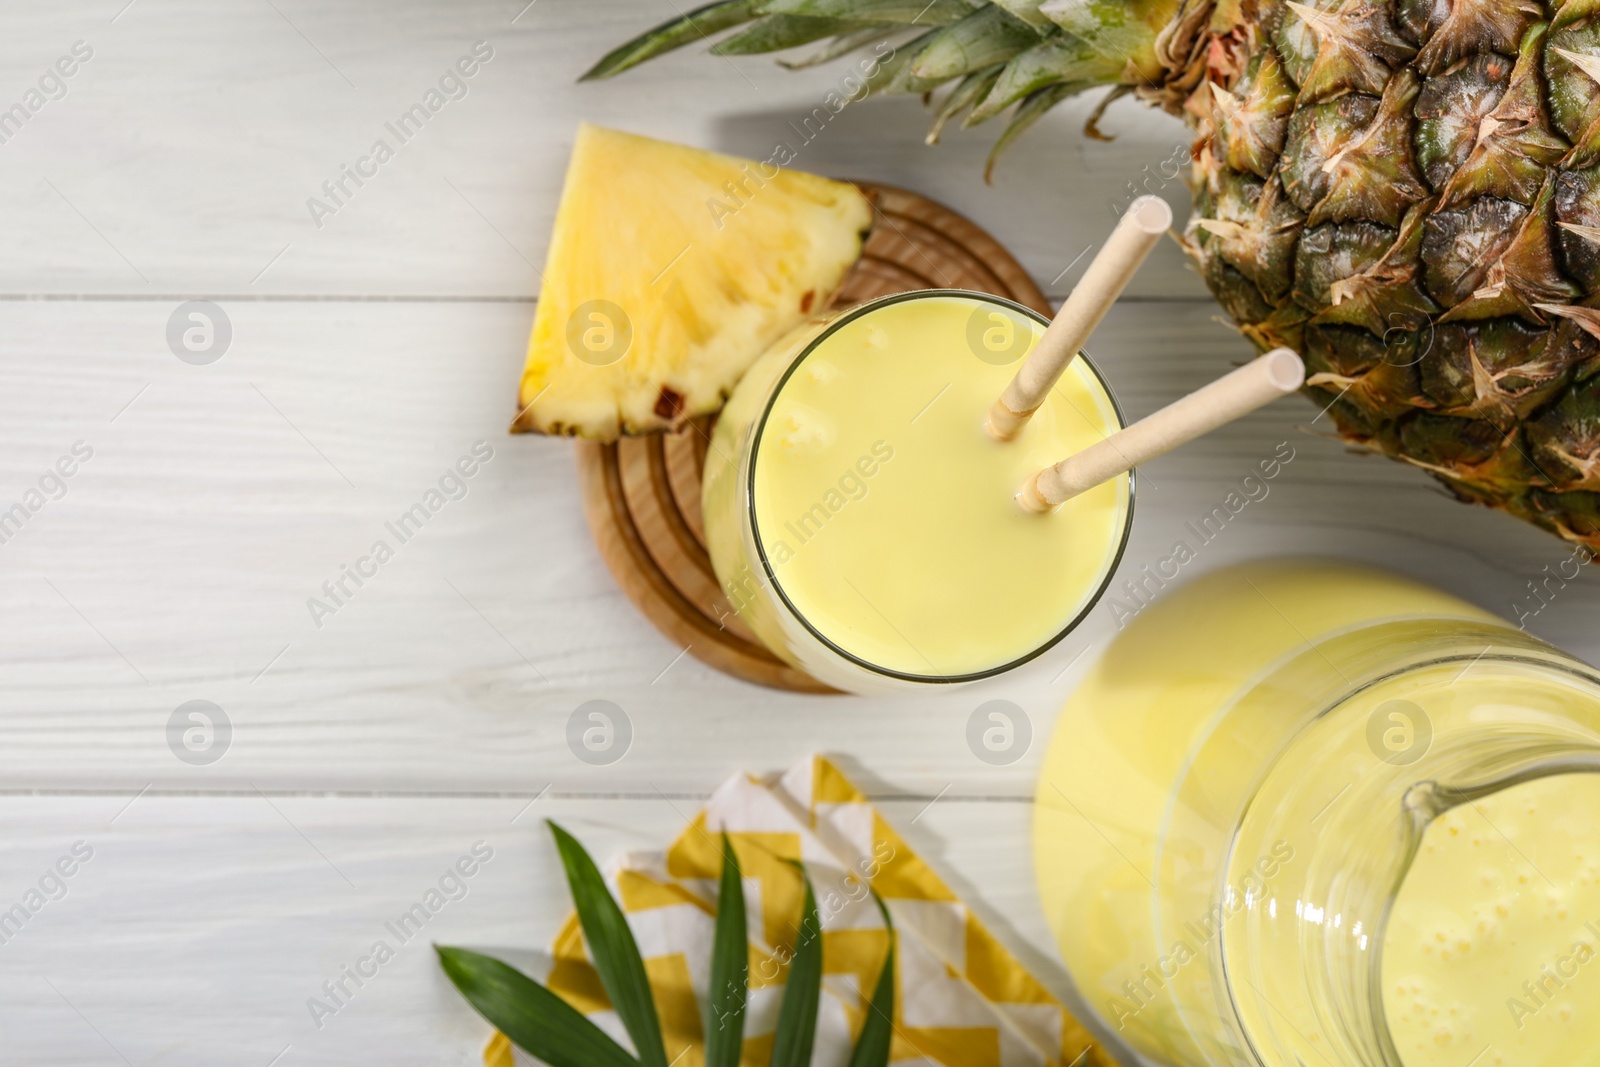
column 703, row 274
column 1461, row 343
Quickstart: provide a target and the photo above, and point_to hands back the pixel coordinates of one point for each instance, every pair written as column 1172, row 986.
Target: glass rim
column 841, row 319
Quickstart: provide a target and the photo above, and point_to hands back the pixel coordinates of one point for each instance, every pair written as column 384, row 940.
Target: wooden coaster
column 642, row 494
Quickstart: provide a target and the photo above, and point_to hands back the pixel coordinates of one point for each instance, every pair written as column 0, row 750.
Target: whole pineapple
column 1405, row 191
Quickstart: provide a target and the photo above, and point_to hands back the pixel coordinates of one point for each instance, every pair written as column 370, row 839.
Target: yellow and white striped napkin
column 962, row 1000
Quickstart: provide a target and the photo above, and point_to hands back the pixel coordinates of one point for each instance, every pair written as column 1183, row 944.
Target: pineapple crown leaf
column 541, row 1023
column 844, row 44
column 1028, row 60
column 697, row 25
column 963, row 98
column 1031, row 111
column 773, row 33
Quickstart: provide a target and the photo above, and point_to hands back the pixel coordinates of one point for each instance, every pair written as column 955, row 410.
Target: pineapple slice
column 669, row 272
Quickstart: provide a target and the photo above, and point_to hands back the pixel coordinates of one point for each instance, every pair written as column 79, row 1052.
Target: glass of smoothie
column 1308, row 813
column 863, row 523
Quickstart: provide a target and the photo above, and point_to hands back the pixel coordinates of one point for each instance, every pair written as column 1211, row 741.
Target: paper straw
column 1253, row 385
column 1140, row 228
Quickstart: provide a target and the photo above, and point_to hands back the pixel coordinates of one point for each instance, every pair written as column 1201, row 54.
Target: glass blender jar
column 1310, row 813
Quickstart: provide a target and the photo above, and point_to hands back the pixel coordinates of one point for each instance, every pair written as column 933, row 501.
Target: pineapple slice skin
column 670, row 270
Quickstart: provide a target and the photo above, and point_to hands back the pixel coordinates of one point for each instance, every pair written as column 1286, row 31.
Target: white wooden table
column 367, row 354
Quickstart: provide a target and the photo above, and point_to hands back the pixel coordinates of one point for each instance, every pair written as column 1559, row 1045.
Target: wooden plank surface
column 199, row 928
column 181, row 560
column 183, row 154
column 367, row 356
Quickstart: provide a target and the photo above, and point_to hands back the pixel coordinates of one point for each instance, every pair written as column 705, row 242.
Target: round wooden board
column 642, row 494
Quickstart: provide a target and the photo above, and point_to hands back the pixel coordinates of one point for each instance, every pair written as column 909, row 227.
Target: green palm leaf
column 797, row 1018
column 535, row 1019
column 613, row 950
column 730, row 968
column 544, row 1025
column 872, row 1044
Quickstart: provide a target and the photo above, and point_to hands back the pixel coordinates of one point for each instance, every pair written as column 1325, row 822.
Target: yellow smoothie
column 1494, row 937
column 1472, row 920
column 884, row 513
column 1222, row 812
